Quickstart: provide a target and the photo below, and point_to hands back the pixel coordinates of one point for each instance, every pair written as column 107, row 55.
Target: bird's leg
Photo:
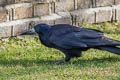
column 67, row 58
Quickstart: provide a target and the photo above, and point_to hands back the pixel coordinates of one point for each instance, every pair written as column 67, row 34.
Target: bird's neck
column 45, row 39
column 46, row 29
column 45, row 33
column 44, row 36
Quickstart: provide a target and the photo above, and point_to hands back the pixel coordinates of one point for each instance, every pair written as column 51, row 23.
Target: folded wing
column 74, row 37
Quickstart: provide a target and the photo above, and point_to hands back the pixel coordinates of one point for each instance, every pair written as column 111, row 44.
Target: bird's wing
column 75, row 37
column 67, row 41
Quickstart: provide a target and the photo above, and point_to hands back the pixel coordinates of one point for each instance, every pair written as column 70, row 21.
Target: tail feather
column 112, row 49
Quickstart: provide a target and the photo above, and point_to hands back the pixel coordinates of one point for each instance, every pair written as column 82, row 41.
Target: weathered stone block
column 14, row 28
column 45, row 1
column 10, row 1
column 103, row 14
column 118, row 14
column 3, row 15
column 64, row 5
column 102, row 3
column 41, row 10
column 113, row 15
column 21, row 11
column 84, row 4
column 9, row 12
column 117, row 11
column 6, row 2
column 3, row 2
column 49, row 22
column 60, row 18
column 52, row 8
column 19, row 28
column 5, row 31
column 50, row 19
column 65, row 18
column 117, row 1
column 19, row 1
column 83, row 16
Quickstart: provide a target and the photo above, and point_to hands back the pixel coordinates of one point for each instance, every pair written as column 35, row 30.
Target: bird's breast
column 45, row 41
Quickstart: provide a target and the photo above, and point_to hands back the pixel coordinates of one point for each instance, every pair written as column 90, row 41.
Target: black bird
column 72, row 40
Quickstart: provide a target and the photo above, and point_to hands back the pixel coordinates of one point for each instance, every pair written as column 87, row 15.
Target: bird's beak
column 29, row 32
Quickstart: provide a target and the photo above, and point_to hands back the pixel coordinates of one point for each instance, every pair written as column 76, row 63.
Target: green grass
column 28, row 59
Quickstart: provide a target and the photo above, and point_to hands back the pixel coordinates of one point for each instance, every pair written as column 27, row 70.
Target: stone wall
column 17, row 16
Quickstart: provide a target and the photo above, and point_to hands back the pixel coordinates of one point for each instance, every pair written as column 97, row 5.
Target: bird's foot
column 60, row 62
column 67, row 58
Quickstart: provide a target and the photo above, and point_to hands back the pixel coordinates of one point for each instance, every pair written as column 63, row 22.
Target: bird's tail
column 112, row 49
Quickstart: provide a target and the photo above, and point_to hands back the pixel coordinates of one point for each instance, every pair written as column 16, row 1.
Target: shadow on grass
column 103, row 62
column 39, row 62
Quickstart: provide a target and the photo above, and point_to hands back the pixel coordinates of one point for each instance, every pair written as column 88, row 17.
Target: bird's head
column 39, row 29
